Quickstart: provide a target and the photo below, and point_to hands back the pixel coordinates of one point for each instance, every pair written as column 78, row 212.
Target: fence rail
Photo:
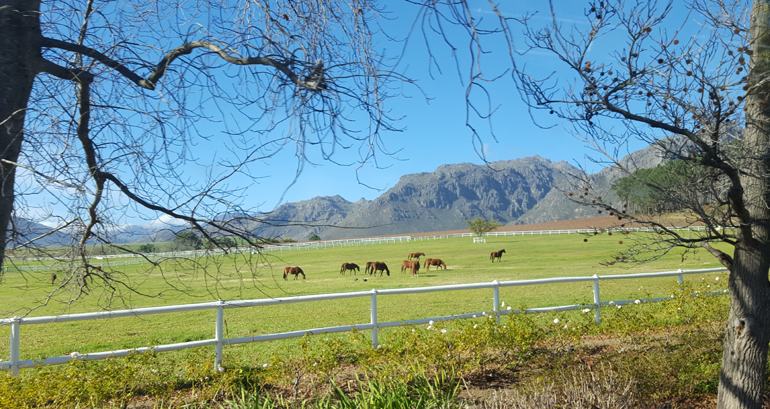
column 14, row 364
column 156, row 257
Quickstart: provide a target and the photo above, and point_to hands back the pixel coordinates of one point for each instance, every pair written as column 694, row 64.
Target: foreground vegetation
column 443, row 365
column 641, row 355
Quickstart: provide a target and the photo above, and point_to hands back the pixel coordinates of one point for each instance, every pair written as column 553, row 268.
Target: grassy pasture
column 230, row 278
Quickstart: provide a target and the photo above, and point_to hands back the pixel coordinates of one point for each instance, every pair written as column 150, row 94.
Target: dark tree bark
column 20, row 61
column 747, row 331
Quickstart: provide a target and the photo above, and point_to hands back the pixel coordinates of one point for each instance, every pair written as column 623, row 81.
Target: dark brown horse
column 293, row 270
column 415, row 255
column 349, row 266
column 496, row 255
column 434, row 262
column 379, row 266
column 53, row 278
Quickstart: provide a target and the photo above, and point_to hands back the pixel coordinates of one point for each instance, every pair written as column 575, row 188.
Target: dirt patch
column 601, row 222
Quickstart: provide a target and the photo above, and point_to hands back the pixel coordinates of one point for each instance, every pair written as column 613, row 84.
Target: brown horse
column 349, row 266
column 293, row 270
column 369, row 267
column 434, row 262
column 406, row 265
column 415, row 255
column 53, row 278
column 496, row 255
column 378, row 266
column 414, row 267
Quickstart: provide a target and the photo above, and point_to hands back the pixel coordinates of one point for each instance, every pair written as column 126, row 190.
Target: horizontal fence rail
column 15, row 363
column 321, row 244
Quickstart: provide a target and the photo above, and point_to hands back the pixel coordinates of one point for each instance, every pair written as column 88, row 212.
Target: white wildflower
column 585, row 310
column 717, row 278
column 612, row 303
column 430, row 326
column 509, row 308
column 474, row 315
column 565, row 326
column 430, row 322
column 154, row 370
column 555, row 320
column 264, row 366
column 443, row 331
column 618, row 307
column 75, row 355
column 637, row 302
column 379, row 346
column 503, row 304
column 220, row 368
column 475, row 325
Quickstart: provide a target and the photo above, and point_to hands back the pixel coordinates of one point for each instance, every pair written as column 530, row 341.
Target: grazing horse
column 293, row 270
column 496, row 255
column 414, row 267
column 369, row 266
column 53, row 278
column 434, row 262
column 415, row 255
column 379, row 266
column 349, row 266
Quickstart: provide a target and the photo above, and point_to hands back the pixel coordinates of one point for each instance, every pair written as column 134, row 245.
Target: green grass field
column 244, row 277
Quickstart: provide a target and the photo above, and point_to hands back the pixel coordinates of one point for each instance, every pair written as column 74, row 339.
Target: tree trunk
column 747, row 331
column 20, row 37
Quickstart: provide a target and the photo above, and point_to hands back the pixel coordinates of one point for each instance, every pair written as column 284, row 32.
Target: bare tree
column 107, row 107
column 701, row 95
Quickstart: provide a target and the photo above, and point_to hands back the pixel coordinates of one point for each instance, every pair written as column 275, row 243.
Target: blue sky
column 434, row 133
column 434, row 130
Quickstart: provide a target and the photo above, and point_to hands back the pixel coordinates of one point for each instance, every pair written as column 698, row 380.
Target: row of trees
column 673, row 186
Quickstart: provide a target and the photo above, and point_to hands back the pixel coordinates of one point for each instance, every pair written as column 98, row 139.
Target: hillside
column 518, row 191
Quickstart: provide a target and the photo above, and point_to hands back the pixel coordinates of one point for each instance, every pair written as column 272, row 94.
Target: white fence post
column 597, row 300
column 680, row 278
column 374, row 319
column 15, row 327
column 219, row 333
column 496, row 299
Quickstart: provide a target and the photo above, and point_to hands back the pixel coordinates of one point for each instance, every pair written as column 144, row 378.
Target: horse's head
column 502, row 251
column 284, row 274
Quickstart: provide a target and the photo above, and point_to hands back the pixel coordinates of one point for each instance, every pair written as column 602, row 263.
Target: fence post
column 374, row 319
column 15, row 326
column 680, row 278
column 219, row 334
column 597, row 300
column 496, row 299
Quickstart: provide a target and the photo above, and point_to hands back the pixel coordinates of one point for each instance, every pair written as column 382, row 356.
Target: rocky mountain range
column 518, row 191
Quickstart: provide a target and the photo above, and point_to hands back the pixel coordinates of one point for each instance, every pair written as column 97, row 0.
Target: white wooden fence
column 14, row 364
column 156, row 257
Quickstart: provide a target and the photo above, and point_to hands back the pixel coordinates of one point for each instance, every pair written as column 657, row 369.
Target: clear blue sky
column 434, row 131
